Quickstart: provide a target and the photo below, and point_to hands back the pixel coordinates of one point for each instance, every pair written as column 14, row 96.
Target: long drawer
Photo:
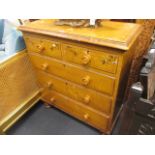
column 78, row 110
column 79, row 75
column 100, row 60
column 43, row 46
column 87, row 96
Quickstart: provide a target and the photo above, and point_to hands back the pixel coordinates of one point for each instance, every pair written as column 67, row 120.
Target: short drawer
column 96, row 59
column 43, row 46
column 78, row 110
column 87, row 78
column 89, row 97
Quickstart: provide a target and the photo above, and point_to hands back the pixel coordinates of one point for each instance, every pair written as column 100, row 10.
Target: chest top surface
column 110, row 34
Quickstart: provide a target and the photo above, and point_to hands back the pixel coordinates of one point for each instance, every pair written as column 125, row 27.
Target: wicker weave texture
column 17, row 83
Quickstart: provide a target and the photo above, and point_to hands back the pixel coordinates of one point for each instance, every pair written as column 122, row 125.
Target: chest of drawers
column 83, row 71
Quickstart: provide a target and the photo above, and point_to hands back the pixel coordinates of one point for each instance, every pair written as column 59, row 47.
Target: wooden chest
column 83, row 71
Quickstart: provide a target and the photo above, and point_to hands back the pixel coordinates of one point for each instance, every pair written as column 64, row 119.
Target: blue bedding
column 11, row 40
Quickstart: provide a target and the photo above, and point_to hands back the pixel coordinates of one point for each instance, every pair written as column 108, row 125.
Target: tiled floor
column 51, row 121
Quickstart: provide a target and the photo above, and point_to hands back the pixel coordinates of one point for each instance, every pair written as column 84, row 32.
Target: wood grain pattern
column 88, row 79
column 111, row 34
column 43, row 46
column 88, row 97
column 77, row 110
column 87, row 57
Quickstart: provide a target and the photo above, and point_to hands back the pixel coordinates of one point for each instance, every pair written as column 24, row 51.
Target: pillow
column 14, row 42
column 2, row 47
column 12, row 39
column 1, row 29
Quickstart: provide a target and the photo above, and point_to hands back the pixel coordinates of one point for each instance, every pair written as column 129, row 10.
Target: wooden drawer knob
column 86, row 59
column 49, row 84
column 54, row 45
column 40, row 48
column 44, row 66
column 87, row 99
column 86, row 116
column 52, row 99
column 85, row 80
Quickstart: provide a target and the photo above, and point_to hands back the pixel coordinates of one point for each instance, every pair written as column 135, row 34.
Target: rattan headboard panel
column 17, row 83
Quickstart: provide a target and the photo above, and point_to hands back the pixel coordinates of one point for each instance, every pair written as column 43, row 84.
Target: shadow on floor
column 51, row 121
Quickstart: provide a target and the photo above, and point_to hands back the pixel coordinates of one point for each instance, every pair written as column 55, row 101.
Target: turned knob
column 40, row 48
column 87, row 99
column 86, row 59
column 54, row 45
column 44, row 66
column 49, row 84
column 86, row 80
column 86, row 116
column 52, row 99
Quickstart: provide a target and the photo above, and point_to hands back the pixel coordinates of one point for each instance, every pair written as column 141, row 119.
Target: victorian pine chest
column 83, row 71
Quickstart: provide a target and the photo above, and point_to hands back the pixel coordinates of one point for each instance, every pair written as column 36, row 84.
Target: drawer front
column 43, row 46
column 95, row 59
column 87, row 96
column 76, row 109
column 75, row 74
